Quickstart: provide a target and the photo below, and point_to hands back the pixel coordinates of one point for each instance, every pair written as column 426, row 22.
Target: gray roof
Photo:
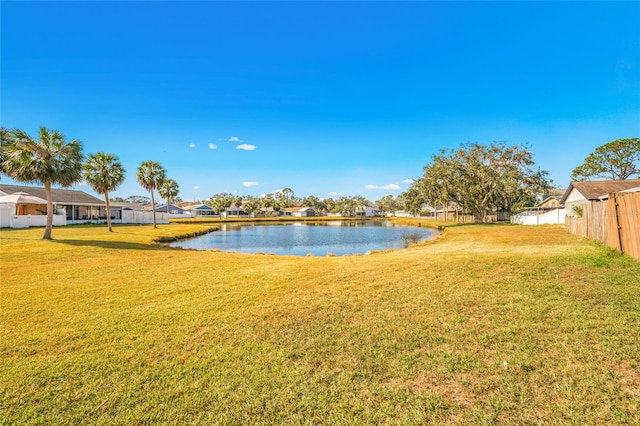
column 126, row 206
column 593, row 190
column 59, row 196
column 197, row 207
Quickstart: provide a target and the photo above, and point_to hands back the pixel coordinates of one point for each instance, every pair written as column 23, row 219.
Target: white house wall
column 575, row 198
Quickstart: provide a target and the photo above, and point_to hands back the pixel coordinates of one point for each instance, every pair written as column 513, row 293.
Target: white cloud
column 82, row 183
column 246, row 147
column 235, row 139
column 390, row 186
column 409, row 181
column 192, row 145
column 213, row 146
column 333, row 193
column 249, row 184
column 196, row 187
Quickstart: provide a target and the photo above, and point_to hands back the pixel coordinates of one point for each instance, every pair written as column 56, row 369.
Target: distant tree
column 268, row 202
column 150, row 175
column 315, row 203
column 617, row 160
column 349, row 205
column 251, row 205
column 237, row 202
column 168, row 190
column 104, row 173
column 310, row 201
column 221, row 202
column 330, row 205
column 49, row 160
column 414, row 201
column 139, row 199
column 480, row 179
column 387, row 204
column 400, row 202
column 285, row 198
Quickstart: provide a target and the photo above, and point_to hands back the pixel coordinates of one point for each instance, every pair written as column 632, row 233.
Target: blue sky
column 326, row 98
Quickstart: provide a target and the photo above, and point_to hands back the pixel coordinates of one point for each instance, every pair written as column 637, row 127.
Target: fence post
column 618, row 227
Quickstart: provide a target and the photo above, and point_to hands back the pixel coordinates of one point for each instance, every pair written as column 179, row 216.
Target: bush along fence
column 614, row 222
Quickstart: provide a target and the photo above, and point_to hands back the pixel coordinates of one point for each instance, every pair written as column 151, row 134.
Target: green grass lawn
column 488, row 324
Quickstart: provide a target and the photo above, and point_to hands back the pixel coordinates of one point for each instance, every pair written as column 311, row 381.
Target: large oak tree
column 480, row 179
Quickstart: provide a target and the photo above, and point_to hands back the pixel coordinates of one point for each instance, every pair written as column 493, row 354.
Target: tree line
column 473, row 178
column 285, row 198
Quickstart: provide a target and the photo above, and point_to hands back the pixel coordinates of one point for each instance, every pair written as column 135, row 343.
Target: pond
column 315, row 238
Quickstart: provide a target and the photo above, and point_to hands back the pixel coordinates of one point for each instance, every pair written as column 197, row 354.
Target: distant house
column 197, row 210
column 367, row 210
column 299, row 211
column 173, row 209
column 579, row 193
column 550, row 202
column 234, row 211
column 125, row 206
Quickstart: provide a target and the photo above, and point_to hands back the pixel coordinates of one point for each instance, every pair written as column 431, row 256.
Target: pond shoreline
column 327, row 236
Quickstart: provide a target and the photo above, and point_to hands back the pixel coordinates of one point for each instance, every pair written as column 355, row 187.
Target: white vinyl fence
column 553, row 217
column 8, row 218
column 138, row 216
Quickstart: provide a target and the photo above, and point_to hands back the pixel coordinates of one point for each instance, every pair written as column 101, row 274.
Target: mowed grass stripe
column 487, row 324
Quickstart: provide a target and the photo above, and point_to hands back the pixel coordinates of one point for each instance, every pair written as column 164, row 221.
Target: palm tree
column 287, row 193
column 49, row 160
column 5, row 137
column 150, row 175
column 104, row 173
column 168, row 189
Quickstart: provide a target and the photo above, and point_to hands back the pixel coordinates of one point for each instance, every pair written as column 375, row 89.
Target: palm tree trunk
column 49, row 227
column 106, row 200
column 153, row 210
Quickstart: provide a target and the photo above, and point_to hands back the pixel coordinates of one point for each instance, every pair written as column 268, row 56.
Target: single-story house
column 78, row 206
column 71, row 206
column 299, row 211
column 234, row 211
column 579, row 193
column 173, row 209
column 197, row 210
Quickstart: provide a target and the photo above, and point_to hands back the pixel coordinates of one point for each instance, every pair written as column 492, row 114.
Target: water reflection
column 317, row 238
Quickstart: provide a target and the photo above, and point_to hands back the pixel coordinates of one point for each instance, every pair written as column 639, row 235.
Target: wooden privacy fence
column 614, row 222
